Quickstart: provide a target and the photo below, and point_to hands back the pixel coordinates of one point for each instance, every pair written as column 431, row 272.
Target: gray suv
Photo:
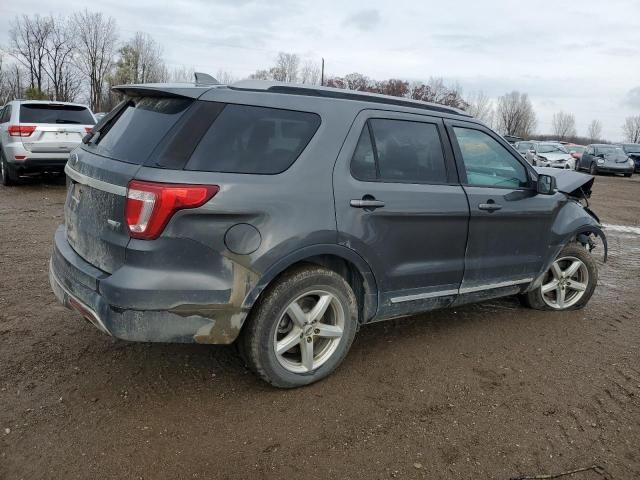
column 283, row 217
column 37, row 136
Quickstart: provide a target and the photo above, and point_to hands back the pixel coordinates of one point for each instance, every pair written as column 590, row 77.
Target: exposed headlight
column 631, row 162
column 600, row 161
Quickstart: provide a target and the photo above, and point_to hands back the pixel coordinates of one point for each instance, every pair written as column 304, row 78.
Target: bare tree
column 515, row 115
column 564, row 125
column 594, row 130
column 96, row 36
column 310, row 73
column 225, row 77
column 286, row 68
column 60, row 49
column 28, row 42
column 631, row 129
column 181, row 74
column 140, row 61
column 481, row 107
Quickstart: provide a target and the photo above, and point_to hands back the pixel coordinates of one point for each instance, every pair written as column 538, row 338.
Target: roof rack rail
column 329, row 92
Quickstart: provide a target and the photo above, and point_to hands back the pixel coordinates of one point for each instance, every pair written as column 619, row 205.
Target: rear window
column 250, row 139
column 142, row 122
column 52, row 113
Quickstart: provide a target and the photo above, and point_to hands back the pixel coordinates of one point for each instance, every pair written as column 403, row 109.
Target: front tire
column 628, row 175
column 302, row 328
column 593, row 169
column 568, row 284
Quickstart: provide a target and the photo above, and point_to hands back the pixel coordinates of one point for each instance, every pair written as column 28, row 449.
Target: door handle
column 366, row 203
column 489, row 207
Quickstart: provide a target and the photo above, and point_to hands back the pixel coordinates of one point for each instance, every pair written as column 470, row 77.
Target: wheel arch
column 342, row 260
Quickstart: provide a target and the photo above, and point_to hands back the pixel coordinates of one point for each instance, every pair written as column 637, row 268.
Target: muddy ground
column 486, row 391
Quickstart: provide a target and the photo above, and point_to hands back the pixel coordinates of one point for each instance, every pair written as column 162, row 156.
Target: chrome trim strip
column 444, row 293
column 495, row 285
column 422, row 296
column 94, row 182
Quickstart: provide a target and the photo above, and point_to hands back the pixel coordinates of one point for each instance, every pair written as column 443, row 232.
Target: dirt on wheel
column 492, row 390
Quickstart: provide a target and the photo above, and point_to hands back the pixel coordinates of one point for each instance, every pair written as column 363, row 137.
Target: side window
column 6, row 114
column 399, row 151
column 591, row 151
column 487, row 163
column 250, row 139
column 363, row 163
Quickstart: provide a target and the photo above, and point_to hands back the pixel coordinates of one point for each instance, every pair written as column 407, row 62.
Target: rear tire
column 311, row 310
column 7, row 173
column 569, row 283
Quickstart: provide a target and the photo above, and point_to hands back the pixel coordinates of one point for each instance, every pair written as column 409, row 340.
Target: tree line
column 80, row 57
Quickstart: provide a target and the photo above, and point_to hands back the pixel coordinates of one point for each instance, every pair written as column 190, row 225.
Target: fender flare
column 369, row 280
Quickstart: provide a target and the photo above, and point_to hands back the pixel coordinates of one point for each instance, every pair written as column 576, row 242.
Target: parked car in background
column 633, row 152
column 575, row 150
column 603, row 158
column 524, row 148
column 551, row 154
column 37, row 136
column 285, row 216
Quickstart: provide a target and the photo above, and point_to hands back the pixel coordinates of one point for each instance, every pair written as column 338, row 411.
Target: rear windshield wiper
column 67, row 121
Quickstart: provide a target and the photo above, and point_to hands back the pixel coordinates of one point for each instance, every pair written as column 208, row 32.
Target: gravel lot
column 486, row 391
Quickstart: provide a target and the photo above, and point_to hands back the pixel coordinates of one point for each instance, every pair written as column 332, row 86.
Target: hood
column 574, row 184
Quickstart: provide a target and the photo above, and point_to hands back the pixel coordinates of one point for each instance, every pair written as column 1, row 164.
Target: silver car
column 37, row 136
column 551, row 154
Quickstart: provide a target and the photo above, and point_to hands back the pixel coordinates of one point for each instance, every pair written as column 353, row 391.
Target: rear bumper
column 77, row 285
column 33, row 162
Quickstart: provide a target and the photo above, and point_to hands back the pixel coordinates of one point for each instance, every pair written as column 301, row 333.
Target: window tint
column 139, row 126
column 405, row 151
column 488, row 163
column 363, row 164
column 249, row 139
column 55, row 113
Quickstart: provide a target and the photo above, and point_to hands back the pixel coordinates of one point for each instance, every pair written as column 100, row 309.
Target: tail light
column 88, row 129
column 21, row 130
column 151, row 205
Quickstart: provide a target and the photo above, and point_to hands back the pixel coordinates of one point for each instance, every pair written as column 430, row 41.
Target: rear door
column 509, row 223
column 100, row 171
column 399, row 206
column 59, row 127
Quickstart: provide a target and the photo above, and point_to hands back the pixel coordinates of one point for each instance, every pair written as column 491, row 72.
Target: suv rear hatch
column 59, row 127
column 100, row 171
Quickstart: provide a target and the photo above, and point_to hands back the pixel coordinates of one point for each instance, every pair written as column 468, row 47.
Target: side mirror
column 546, row 184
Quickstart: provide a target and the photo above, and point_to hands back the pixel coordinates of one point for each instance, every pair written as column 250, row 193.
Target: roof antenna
column 204, row 79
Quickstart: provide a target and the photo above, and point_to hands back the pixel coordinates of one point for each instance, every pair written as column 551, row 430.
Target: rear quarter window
column 251, row 139
column 140, row 125
column 58, row 114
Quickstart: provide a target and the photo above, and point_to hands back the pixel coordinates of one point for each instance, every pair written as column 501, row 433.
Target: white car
column 548, row 154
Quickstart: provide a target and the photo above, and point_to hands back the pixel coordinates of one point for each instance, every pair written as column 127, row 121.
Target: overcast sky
column 579, row 56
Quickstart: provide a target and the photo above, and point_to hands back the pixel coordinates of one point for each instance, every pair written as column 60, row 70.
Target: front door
column 509, row 222
column 399, row 205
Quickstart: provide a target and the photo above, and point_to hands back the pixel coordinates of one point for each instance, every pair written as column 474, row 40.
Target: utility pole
column 322, row 73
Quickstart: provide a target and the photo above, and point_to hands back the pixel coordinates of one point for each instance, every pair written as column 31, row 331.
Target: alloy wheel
column 309, row 331
column 565, row 283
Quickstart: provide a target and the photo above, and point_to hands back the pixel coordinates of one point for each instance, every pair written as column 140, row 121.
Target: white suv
column 37, row 136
